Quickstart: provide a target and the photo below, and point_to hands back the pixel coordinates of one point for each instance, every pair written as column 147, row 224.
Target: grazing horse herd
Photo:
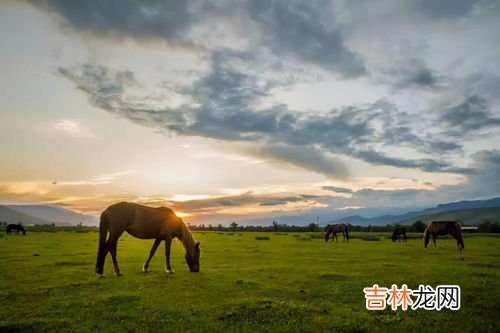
column 161, row 224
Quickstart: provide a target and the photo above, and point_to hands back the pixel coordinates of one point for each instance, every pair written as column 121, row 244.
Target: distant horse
column 439, row 228
column 160, row 224
column 334, row 228
column 398, row 232
column 17, row 227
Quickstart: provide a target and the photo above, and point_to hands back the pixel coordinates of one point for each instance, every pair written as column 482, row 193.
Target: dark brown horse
column 439, row 228
column 160, row 224
column 17, row 227
column 398, row 233
column 334, row 228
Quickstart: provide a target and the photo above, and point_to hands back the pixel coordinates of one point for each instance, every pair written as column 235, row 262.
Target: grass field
column 286, row 283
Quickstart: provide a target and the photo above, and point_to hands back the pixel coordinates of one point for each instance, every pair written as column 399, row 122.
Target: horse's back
column 444, row 227
column 139, row 220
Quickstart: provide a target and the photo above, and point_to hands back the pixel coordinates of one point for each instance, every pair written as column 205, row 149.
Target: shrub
column 262, row 238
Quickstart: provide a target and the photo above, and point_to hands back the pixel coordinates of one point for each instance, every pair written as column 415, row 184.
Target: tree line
column 418, row 226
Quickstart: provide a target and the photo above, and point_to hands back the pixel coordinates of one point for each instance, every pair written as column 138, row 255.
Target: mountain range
column 43, row 214
column 469, row 212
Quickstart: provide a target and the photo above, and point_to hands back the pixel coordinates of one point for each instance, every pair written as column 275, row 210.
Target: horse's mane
column 186, row 237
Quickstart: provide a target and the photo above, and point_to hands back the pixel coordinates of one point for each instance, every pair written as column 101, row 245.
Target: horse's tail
column 102, row 250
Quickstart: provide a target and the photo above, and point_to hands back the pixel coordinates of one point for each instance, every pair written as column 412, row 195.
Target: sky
column 250, row 111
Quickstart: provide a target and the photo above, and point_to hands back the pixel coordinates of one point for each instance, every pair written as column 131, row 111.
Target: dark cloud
column 470, row 115
column 308, row 158
column 446, row 8
column 247, row 199
column 160, row 19
column 423, row 77
column 412, row 73
column 224, row 108
column 281, row 201
column 307, row 30
column 302, row 30
column 426, row 164
column 338, row 189
column 403, row 195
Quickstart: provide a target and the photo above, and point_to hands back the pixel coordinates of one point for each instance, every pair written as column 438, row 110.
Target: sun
column 182, row 214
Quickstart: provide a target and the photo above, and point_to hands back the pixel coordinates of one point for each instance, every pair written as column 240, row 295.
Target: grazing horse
column 16, row 227
column 160, row 224
column 334, row 228
column 439, row 228
column 398, row 232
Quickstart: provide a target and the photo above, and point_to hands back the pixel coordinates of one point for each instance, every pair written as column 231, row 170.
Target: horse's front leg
column 336, row 238
column 145, row 267
column 168, row 267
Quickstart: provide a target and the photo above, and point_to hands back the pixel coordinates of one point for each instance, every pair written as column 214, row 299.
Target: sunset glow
column 245, row 120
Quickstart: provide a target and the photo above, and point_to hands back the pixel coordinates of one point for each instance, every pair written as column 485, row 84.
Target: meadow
column 249, row 282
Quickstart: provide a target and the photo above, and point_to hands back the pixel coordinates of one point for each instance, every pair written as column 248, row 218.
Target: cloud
column 309, row 158
column 485, row 180
column 338, row 189
column 447, row 8
column 305, row 31
column 233, row 203
column 166, row 20
column 224, row 106
column 233, row 99
column 72, row 128
column 423, row 76
column 470, row 115
column 308, row 31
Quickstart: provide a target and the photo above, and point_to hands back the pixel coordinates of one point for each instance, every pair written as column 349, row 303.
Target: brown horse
column 334, row 228
column 398, row 232
column 160, row 224
column 439, row 228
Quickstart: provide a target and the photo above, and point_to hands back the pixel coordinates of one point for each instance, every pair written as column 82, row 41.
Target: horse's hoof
column 145, row 269
column 170, row 271
column 100, row 276
column 118, row 274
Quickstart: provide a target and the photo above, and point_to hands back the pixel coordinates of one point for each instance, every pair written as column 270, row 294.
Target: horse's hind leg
column 145, row 267
column 112, row 244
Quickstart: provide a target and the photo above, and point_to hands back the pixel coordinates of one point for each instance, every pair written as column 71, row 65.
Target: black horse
column 16, row 227
column 400, row 231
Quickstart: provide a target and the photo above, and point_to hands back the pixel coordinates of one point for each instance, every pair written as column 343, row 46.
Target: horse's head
column 193, row 258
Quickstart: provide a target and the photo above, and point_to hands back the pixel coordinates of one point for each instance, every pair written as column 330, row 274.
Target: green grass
column 245, row 285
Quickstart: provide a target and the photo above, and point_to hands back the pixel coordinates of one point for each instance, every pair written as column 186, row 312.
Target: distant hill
column 12, row 216
column 472, row 216
column 46, row 214
column 422, row 215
